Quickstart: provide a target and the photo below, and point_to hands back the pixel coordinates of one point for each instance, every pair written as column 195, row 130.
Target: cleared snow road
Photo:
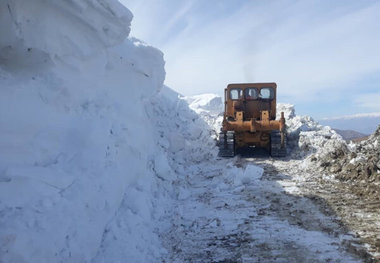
column 233, row 211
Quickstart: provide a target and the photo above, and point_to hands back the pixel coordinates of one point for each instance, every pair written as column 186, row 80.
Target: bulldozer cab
column 252, row 99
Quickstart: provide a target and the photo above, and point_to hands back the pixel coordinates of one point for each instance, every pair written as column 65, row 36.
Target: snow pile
column 288, row 110
column 181, row 132
column 181, row 140
column 306, row 136
column 29, row 37
column 251, row 173
column 357, row 162
column 206, row 102
column 210, row 108
column 82, row 174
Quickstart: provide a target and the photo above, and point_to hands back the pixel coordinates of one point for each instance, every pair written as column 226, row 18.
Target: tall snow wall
column 79, row 157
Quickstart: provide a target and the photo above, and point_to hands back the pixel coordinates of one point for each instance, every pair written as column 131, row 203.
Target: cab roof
column 252, row 85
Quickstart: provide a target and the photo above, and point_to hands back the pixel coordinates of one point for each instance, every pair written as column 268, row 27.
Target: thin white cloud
column 370, row 101
column 354, row 116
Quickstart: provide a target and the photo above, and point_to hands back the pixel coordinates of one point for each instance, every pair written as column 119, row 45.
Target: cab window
column 250, row 93
column 235, row 94
column 267, row 93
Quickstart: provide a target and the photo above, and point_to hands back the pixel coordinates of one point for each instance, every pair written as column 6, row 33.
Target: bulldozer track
column 227, row 144
column 277, row 149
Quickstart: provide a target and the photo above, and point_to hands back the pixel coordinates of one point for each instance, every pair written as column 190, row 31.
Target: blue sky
column 324, row 55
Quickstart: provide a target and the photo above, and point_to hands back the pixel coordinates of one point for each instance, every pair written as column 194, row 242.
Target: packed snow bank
column 78, row 156
column 210, row 108
column 182, row 132
column 52, row 30
column 181, row 139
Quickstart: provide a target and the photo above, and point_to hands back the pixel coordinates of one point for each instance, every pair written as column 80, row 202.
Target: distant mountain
column 362, row 123
column 350, row 135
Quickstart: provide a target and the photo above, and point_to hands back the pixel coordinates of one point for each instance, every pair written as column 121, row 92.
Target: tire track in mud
column 232, row 218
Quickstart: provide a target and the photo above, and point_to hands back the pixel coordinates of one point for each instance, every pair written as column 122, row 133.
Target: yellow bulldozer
column 250, row 120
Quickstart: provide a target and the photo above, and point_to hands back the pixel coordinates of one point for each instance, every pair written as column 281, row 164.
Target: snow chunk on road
column 251, row 174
